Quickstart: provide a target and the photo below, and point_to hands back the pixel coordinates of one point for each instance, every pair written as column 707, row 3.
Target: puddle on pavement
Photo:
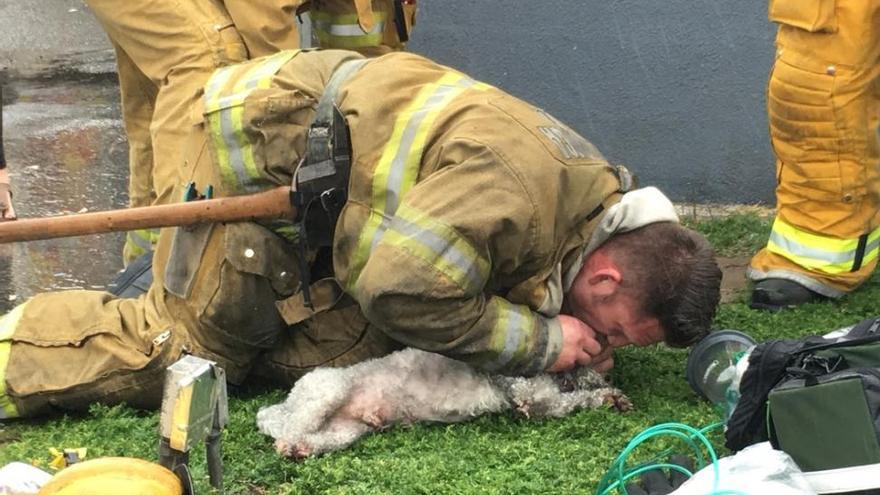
column 67, row 152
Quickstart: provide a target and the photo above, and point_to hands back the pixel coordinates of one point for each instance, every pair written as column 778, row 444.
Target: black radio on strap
column 320, row 184
column 400, row 21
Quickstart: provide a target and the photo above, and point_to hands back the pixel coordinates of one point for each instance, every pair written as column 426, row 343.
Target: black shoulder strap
column 321, row 179
column 328, row 148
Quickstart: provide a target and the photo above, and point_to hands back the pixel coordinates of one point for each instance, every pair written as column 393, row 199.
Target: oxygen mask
column 716, row 365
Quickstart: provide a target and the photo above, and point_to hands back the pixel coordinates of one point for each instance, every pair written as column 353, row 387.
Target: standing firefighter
column 469, row 223
column 166, row 50
column 824, row 104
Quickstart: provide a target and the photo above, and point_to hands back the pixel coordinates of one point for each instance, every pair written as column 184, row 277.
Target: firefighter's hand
column 604, row 361
column 656, row 482
column 7, row 210
column 580, row 345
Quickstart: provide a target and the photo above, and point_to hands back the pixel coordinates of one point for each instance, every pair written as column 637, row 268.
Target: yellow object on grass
column 114, row 476
column 63, row 458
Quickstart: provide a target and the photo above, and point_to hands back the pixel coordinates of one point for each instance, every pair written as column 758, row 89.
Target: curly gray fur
column 330, row 408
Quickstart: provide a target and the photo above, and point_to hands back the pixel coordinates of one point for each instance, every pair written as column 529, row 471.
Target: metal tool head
column 195, row 390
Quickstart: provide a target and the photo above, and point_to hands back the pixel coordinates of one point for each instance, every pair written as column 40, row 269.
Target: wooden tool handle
column 272, row 204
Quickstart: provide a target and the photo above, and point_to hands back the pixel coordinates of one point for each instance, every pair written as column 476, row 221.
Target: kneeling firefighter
column 440, row 238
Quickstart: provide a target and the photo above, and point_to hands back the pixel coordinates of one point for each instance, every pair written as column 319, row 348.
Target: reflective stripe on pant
column 823, row 110
column 343, row 31
column 366, row 26
column 822, row 253
column 139, row 242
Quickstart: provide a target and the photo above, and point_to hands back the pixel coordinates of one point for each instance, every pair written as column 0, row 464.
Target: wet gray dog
column 330, row 408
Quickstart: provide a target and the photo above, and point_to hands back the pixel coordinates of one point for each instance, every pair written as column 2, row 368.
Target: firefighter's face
column 596, row 298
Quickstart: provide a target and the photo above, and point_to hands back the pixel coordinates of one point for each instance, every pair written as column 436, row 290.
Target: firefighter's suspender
column 321, row 180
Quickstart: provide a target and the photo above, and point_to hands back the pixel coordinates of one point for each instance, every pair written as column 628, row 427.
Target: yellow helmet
column 114, row 476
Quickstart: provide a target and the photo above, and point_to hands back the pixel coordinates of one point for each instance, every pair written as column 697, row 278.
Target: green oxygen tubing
column 619, row 474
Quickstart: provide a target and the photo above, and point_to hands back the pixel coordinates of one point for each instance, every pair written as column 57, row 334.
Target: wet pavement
column 67, row 153
column 35, row 35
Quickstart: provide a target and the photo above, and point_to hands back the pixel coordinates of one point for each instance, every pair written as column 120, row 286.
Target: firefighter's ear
column 598, row 280
column 605, row 281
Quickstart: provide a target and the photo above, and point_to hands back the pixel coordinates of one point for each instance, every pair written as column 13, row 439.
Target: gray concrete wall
column 672, row 88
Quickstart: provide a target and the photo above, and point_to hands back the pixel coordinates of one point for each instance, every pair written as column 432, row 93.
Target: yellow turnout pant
column 823, row 102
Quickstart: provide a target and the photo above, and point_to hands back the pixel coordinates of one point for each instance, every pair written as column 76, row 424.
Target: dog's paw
column 524, row 408
column 293, row 450
column 619, row 401
column 375, row 420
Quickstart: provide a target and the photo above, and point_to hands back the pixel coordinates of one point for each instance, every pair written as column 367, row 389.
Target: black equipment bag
column 817, row 399
column 774, row 361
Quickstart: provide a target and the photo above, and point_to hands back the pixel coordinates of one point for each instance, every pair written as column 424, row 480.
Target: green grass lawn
column 497, row 454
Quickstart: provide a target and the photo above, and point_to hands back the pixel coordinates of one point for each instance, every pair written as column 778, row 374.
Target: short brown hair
column 672, row 273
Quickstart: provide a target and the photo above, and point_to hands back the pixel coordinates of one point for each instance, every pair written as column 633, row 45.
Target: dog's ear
column 567, row 382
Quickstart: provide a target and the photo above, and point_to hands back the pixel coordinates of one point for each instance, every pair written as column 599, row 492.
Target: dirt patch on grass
column 733, row 282
column 712, row 211
column 7, row 436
